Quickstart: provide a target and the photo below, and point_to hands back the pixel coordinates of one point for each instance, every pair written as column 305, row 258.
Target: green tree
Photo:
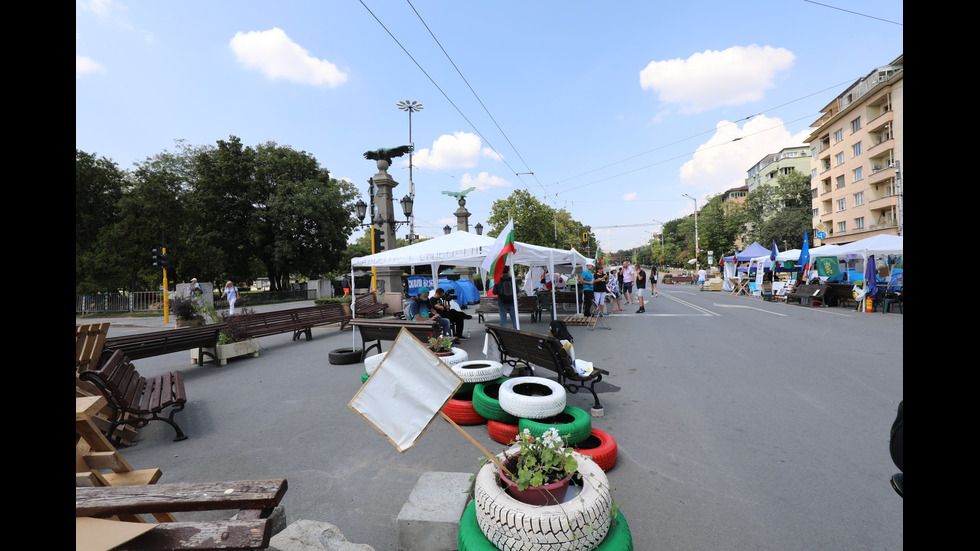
column 782, row 211
column 99, row 185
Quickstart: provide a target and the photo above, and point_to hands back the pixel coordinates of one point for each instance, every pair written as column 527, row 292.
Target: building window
column 859, row 224
column 839, row 136
column 842, row 227
column 840, row 181
column 840, row 158
column 859, row 199
column 856, row 149
column 856, row 124
column 816, row 213
column 858, row 173
column 842, row 204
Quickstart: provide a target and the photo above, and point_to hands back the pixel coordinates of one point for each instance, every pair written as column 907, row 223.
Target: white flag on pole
column 408, row 389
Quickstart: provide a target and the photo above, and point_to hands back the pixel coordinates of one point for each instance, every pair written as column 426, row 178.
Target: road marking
column 705, row 311
column 749, row 308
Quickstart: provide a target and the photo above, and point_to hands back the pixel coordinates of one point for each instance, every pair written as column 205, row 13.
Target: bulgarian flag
column 494, row 263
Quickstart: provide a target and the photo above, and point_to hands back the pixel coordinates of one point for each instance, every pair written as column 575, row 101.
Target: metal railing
column 146, row 301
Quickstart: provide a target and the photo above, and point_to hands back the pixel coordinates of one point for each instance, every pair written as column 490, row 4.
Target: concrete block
column 308, row 535
column 429, row 521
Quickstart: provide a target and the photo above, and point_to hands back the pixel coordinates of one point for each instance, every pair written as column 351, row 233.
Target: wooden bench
column 367, row 305
column 126, row 391
column 251, row 527
column 808, row 295
column 298, row 321
column 156, row 343
column 522, row 349
column 525, row 305
column 388, row 329
column 89, row 341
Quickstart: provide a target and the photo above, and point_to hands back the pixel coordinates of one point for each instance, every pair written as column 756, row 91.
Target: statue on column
column 384, row 155
column 459, row 195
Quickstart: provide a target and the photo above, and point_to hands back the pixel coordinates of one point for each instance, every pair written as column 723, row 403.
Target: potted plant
column 541, row 469
column 441, row 346
column 186, row 311
column 345, row 300
column 233, row 340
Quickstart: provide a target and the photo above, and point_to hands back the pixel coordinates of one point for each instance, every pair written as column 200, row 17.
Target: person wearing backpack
column 504, row 290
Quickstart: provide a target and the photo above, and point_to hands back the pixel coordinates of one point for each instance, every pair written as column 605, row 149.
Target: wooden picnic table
column 251, row 528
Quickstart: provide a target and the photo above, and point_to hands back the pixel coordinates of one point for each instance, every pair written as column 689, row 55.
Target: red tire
column 459, row 408
column 601, row 447
column 502, row 432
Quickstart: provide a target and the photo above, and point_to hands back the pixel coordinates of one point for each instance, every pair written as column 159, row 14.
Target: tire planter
column 459, row 355
column 573, row 424
column 601, row 447
column 532, row 397
column 478, row 371
column 459, row 408
column 580, row 524
column 344, row 356
column 486, row 402
column 471, row 538
column 502, row 432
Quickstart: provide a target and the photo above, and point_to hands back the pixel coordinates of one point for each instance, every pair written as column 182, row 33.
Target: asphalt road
column 741, row 424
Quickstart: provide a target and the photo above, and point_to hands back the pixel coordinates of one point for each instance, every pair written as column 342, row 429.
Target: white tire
column 579, row 524
column 478, row 371
column 371, row 363
column 531, row 397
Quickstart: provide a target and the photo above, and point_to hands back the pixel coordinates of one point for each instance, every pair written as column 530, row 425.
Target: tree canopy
column 223, row 212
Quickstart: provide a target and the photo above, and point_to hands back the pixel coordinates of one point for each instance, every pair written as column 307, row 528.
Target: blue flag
column 805, row 254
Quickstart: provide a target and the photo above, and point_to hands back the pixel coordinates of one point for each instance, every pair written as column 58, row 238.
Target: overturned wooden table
column 251, row 527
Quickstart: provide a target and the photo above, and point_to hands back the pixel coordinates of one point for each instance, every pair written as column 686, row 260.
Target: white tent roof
column 875, row 245
column 462, row 248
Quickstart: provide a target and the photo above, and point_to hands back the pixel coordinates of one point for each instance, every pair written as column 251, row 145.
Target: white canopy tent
column 466, row 249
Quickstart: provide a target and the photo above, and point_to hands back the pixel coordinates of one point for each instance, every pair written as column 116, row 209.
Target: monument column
column 463, row 224
column 389, row 279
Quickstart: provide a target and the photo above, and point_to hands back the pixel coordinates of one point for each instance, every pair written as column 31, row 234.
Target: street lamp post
column 697, row 244
column 411, row 107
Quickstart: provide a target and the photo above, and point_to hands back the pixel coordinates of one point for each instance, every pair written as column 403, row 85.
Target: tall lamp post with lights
column 382, row 222
column 410, row 107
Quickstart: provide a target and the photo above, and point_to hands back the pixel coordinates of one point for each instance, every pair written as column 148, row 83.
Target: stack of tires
column 371, row 363
column 537, row 404
column 587, row 522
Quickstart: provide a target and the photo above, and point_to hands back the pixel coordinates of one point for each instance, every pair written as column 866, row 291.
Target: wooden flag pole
column 475, row 443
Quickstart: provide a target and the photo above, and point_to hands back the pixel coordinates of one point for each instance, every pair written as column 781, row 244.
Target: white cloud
column 460, row 150
column 629, row 196
column 273, row 53
column 86, row 65
column 483, row 181
column 711, row 79
column 723, row 161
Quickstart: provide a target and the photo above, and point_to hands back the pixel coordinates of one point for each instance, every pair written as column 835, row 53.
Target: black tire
column 344, row 356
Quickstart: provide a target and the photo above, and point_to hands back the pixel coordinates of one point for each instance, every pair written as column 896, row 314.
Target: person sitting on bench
column 440, row 304
column 420, row 310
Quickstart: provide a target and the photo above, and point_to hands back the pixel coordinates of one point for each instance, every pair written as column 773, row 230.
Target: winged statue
column 459, row 195
column 387, row 153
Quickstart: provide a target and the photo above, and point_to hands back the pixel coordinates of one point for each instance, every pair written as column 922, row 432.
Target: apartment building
column 774, row 165
column 857, row 152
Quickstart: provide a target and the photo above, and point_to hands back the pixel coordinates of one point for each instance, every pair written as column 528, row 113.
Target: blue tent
column 755, row 250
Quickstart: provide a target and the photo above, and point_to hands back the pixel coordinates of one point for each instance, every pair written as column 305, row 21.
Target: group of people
column 230, row 292
column 626, row 283
column 437, row 307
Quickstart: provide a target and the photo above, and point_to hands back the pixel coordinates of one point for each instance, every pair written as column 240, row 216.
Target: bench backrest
column 372, row 330
column 540, row 350
column 119, row 378
column 155, row 343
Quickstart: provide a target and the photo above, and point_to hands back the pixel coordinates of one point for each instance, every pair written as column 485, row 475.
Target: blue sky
column 618, row 108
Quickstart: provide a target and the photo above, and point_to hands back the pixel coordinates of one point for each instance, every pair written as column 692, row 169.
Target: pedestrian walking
column 231, row 293
column 641, row 284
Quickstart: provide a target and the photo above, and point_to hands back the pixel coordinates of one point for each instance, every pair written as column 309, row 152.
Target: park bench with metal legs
column 367, row 305
column 157, row 343
column 525, row 305
column 378, row 330
column 298, row 321
column 524, row 350
column 128, row 392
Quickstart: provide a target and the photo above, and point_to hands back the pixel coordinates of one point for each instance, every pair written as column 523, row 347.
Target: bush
column 331, row 300
column 184, row 308
column 236, row 327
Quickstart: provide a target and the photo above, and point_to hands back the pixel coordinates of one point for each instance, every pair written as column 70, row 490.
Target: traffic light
column 160, row 260
column 379, row 241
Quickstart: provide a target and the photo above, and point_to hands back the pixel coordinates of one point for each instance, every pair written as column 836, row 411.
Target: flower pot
column 442, row 353
column 223, row 352
column 190, row 323
column 546, row 494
